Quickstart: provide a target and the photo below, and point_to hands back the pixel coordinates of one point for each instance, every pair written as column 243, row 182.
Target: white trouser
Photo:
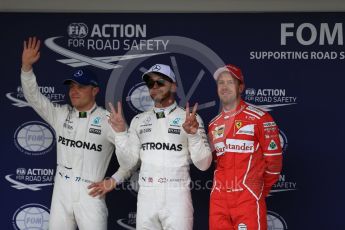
column 164, row 208
column 72, row 206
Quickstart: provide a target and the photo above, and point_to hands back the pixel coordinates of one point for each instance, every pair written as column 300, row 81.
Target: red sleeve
column 272, row 151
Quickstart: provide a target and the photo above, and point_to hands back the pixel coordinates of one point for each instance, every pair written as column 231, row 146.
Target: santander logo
column 239, row 146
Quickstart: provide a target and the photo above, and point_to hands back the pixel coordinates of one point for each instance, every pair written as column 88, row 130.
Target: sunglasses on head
column 160, row 82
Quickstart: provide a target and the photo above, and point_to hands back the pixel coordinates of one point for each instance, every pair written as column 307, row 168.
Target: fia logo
column 77, row 30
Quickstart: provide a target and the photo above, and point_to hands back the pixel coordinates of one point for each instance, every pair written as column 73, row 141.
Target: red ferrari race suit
column 249, row 160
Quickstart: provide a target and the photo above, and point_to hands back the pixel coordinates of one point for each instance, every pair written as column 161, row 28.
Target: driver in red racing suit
column 249, row 157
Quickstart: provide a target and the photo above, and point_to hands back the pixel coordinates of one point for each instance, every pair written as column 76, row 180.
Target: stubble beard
column 231, row 103
column 165, row 98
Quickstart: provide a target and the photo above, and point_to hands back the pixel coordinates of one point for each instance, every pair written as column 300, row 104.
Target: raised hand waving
column 31, row 53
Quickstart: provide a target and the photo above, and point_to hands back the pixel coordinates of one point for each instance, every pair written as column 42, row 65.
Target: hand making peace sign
column 116, row 119
column 191, row 124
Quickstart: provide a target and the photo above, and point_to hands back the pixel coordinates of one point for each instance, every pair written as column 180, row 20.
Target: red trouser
column 237, row 210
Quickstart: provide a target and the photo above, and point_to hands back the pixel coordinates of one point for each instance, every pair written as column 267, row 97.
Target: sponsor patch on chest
column 145, row 130
column 246, row 130
column 95, row 131
column 174, row 131
column 239, row 146
column 218, row 132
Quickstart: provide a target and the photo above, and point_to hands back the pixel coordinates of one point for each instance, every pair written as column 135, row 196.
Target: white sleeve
column 121, row 175
column 199, row 148
column 42, row 105
column 127, row 146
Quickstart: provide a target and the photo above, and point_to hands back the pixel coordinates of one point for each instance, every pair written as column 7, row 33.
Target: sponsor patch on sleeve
column 272, row 145
column 269, row 124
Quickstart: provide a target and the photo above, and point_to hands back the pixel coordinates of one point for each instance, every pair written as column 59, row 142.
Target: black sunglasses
column 150, row 83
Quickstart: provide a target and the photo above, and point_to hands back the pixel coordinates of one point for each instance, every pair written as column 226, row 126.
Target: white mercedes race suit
column 84, row 149
column 165, row 150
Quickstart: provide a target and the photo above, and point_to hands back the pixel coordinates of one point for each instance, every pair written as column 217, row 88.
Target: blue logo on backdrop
column 101, row 37
column 128, row 223
column 275, row 221
column 267, row 99
column 32, row 178
column 77, row 30
column 283, row 140
column 284, row 184
column 34, row 138
column 139, row 99
column 31, row 217
column 18, row 100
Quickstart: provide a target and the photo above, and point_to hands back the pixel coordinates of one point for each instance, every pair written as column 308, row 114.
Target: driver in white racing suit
column 166, row 139
column 84, row 147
